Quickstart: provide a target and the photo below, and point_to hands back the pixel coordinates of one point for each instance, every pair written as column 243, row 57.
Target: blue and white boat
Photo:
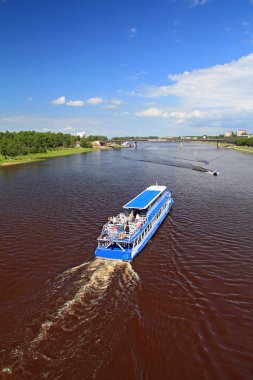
column 125, row 235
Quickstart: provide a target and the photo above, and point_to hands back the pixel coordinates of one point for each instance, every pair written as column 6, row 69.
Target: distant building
column 82, row 134
column 228, row 134
column 242, row 132
column 99, row 143
column 127, row 144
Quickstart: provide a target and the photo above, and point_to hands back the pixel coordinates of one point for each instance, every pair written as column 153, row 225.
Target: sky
column 126, row 67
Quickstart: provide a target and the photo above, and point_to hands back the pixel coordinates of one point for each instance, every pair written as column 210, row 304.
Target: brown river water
column 183, row 309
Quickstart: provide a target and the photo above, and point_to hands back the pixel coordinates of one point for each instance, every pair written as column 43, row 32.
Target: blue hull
column 115, row 253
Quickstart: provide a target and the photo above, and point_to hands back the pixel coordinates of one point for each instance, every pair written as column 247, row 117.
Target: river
column 183, row 309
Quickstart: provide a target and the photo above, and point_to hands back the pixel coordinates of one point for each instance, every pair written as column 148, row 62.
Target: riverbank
column 245, row 149
column 29, row 158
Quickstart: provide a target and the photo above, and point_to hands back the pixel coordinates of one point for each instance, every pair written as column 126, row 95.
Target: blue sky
column 136, row 67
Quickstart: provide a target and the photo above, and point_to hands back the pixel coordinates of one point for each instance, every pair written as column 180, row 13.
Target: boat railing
column 117, row 230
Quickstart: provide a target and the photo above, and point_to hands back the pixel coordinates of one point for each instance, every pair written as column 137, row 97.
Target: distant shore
column 70, row 151
column 29, row 158
column 245, row 149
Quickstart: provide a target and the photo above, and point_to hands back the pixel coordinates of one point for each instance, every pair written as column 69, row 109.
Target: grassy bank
column 245, row 149
column 52, row 153
column 42, row 156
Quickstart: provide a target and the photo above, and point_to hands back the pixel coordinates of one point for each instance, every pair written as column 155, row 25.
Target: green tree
column 84, row 143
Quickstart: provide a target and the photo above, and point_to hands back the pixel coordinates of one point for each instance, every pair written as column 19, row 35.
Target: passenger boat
column 125, row 235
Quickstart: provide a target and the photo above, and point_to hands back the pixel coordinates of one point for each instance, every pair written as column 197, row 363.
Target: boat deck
column 117, row 231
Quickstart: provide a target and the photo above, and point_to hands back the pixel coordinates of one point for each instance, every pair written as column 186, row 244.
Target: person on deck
column 127, row 227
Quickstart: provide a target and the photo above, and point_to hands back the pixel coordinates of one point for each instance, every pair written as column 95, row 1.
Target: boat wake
column 81, row 323
column 188, row 159
column 173, row 163
column 206, row 162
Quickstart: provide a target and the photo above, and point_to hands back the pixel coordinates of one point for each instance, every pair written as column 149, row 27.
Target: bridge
column 170, row 139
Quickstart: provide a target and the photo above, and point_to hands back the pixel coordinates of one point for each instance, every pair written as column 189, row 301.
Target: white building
column 242, row 132
column 81, row 134
column 228, row 134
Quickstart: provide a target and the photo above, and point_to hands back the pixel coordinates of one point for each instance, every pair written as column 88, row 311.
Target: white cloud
column 124, row 113
column 94, row 101
column 59, row 101
column 137, row 76
column 114, row 103
column 177, row 115
column 245, row 24
column 109, row 107
column 229, row 85
column 246, row 32
column 222, row 85
column 212, row 120
column 46, row 123
column 150, row 112
column 75, row 103
column 29, row 99
column 195, row 3
column 132, row 32
column 151, row 91
column 69, row 128
column 216, row 97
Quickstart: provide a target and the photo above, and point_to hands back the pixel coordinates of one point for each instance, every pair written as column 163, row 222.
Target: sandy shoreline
column 19, row 162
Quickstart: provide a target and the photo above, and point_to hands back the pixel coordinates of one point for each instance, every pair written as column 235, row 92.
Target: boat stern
column 113, row 254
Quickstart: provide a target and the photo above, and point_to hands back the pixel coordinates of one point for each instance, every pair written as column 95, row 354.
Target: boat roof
column 144, row 199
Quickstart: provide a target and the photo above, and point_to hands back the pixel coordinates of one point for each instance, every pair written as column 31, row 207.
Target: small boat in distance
column 125, row 235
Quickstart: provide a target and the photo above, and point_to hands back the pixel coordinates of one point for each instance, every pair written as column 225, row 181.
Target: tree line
column 86, row 142
column 244, row 141
column 28, row 142
column 238, row 141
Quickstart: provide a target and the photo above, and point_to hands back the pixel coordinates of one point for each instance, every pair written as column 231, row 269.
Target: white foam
column 7, row 370
column 101, row 277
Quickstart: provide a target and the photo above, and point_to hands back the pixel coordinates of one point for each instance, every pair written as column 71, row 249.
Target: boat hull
column 115, row 253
